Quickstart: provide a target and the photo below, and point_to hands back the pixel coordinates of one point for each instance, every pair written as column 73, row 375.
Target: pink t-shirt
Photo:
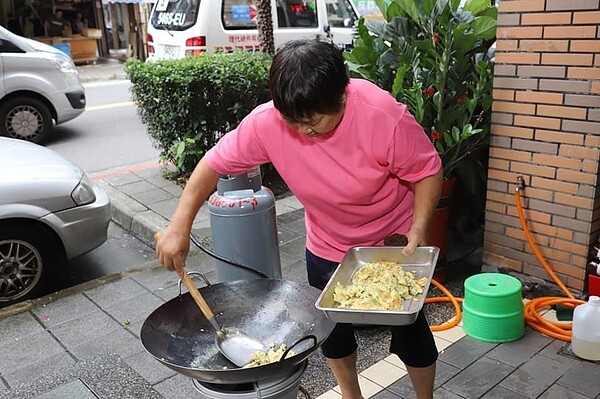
column 354, row 182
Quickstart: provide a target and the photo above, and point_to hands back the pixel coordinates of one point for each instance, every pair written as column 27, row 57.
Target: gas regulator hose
column 533, row 319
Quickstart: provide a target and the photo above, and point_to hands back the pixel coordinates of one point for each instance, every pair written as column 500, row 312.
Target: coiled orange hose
column 533, row 318
column 558, row 330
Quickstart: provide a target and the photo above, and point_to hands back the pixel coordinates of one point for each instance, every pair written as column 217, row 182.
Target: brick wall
column 546, row 128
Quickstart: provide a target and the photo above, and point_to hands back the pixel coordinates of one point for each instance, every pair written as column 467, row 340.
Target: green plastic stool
column 493, row 308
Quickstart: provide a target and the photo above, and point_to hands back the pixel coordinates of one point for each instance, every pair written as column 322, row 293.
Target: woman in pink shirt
column 359, row 163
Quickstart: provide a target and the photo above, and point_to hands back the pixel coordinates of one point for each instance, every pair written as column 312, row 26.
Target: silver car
column 39, row 87
column 50, row 212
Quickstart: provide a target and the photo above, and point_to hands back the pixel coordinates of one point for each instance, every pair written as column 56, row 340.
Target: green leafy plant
column 187, row 105
column 435, row 57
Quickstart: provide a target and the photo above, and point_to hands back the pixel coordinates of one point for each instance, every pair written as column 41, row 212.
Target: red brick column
column 546, row 128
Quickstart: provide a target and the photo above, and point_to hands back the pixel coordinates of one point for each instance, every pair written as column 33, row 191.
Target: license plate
column 171, row 51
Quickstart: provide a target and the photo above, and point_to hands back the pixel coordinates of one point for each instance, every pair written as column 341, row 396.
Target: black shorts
column 414, row 343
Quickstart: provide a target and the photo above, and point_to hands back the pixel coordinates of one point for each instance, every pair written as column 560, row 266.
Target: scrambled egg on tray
column 260, row 358
column 379, row 286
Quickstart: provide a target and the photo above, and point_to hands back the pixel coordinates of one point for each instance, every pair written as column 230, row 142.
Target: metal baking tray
column 422, row 262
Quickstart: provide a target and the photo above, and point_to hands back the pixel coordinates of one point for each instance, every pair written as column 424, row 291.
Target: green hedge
column 188, row 104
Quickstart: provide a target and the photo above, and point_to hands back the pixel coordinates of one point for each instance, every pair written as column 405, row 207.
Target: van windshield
column 175, row 15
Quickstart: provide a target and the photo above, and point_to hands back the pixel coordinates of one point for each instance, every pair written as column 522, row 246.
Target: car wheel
column 26, row 257
column 26, row 119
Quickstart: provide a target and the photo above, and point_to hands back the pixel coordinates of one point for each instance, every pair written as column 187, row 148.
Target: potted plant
column 435, row 57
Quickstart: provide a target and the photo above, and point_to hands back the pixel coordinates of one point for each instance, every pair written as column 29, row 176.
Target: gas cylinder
column 244, row 227
column 585, row 339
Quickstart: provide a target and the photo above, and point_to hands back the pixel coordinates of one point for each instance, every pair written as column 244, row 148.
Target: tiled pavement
column 84, row 342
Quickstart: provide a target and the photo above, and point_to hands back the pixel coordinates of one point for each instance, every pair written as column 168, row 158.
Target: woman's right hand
column 172, row 248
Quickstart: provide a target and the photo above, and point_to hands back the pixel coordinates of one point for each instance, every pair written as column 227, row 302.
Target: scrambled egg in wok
column 260, row 358
column 379, row 286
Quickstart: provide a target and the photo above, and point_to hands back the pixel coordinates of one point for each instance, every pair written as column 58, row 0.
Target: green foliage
column 188, row 104
column 434, row 57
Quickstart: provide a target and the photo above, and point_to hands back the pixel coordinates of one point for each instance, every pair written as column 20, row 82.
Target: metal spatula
column 232, row 343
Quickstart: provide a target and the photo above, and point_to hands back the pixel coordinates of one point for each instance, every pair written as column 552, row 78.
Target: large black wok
column 270, row 310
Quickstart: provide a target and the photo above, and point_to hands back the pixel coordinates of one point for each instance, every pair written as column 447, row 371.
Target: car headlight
column 63, row 63
column 84, row 193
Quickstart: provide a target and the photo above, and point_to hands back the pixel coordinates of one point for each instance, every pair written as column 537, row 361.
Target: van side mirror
column 347, row 22
column 327, row 30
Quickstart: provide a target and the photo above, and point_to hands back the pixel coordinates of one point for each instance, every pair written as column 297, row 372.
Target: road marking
column 108, row 106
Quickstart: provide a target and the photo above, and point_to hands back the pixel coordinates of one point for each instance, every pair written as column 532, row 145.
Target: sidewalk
column 83, row 342
column 106, row 68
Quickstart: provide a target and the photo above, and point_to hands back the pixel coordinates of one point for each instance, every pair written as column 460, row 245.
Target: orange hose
column 448, row 298
column 558, row 330
column 533, row 318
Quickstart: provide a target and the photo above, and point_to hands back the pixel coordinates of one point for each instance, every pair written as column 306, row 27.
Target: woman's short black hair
column 308, row 77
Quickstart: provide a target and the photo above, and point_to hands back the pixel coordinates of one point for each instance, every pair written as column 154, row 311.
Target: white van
column 39, row 87
column 179, row 28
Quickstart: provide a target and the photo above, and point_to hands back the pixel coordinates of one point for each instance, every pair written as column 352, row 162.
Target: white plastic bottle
column 585, row 340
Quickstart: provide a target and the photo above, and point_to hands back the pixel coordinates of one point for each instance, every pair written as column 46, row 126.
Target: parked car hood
column 35, row 175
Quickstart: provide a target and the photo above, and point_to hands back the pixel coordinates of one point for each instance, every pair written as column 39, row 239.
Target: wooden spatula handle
column 193, row 290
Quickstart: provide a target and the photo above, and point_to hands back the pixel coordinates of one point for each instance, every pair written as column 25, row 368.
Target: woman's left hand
column 416, row 237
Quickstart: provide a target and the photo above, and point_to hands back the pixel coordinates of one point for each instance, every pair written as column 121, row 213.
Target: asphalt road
column 109, row 134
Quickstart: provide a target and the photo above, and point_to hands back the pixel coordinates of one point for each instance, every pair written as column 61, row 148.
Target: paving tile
column 28, row 350
column 285, row 235
column 383, row 394
column 383, row 373
column 465, row 352
column 64, row 310
column 331, row 394
column 75, row 389
column 534, row 377
column 555, row 352
column 120, row 342
column 152, row 196
column 156, row 179
column 403, row 387
column 518, row 352
column 441, row 343
column 367, row 387
column 294, row 248
column 155, row 278
column 108, row 295
column 87, row 328
column 584, row 378
column 453, row 334
column 394, row 360
column 137, row 187
column 177, row 387
column 124, row 179
column 104, row 374
column 135, row 309
column 295, row 272
column 558, row 392
column 18, row 327
column 148, row 367
column 499, row 392
column 478, row 378
column 165, row 208
column 22, row 373
column 297, row 226
column 442, row 393
column 291, row 217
